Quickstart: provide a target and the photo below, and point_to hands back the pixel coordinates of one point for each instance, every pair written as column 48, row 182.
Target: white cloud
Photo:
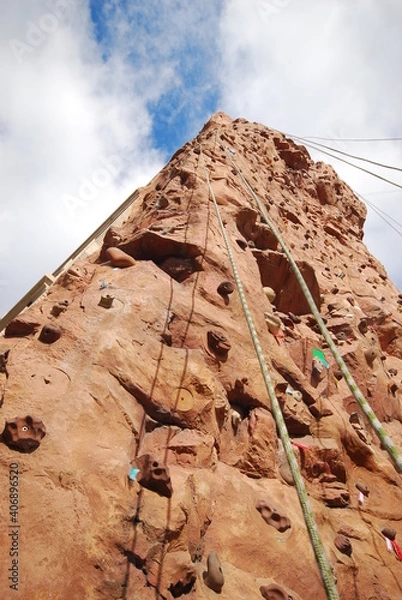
column 324, row 69
column 70, row 104
column 64, row 113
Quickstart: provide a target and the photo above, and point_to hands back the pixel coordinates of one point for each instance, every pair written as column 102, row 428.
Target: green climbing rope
column 386, row 441
column 322, row 559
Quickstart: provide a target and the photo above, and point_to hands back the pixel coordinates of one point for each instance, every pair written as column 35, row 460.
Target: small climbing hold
column 183, row 399
column 167, row 338
column 240, row 383
column 358, row 425
column 317, row 368
column 363, row 327
column 118, row 258
column 218, row 343
column 236, row 419
column 106, row 301
column 272, row 516
column 49, row 334
column 273, row 322
column 270, row 293
column 362, row 488
column 59, row 308
column 225, row 288
column 342, row 542
column 154, row 476
column 300, row 445
column 392, row 387
column 23, row 433
column 295, row 318
column 242, row 244
column 103, row 284
column 389, row 532
column 213, row 576
column 321, row 357
column 363, row 491
column 3, row 362
column 370, row 355
column 133, row 474
column 273, row 592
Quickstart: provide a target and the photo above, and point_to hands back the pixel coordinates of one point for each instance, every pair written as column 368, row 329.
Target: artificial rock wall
column 135, row 414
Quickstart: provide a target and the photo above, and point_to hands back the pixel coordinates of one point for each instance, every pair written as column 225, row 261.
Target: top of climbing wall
column 134, row 410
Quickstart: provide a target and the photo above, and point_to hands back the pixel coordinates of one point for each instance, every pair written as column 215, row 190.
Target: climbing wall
column 140, row 458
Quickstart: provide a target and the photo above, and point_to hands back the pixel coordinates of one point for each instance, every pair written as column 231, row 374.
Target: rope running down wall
column 380, row 431
column 321, row 557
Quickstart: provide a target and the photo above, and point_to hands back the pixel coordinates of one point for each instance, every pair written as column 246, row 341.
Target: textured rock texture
column 163, row 378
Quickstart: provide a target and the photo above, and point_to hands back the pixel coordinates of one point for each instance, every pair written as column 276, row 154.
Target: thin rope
column 322, row 559
column 380, row 431
column 355, row 156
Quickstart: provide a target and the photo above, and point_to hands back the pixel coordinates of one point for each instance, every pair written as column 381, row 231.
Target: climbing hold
column 213, row 576
column 240, row 383
column 118, row 258
column 3, row 362
column 23, row 433
column 106, row 301
column 273, row 592
column 242, row 244
column 236, row 419
column 370, row 355
column 274, row 323
column 167, row 338
column 363, row 327
column 154, row 476
column 358, row 425
column 342, row 542
column 133, row 474
column 321, row 356
column 49, row 334
column 363, row 491
column 218, row 343
column 183, row 399
column 225, row 288
column 317, row 368
column 58, row 308
column 295, row 318
column 392, row 387
column 270, row 293
column 389, row 532
column 300, row 445
column 271, row 515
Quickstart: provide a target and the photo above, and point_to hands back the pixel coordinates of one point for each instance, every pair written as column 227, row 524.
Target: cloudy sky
column 97, row 95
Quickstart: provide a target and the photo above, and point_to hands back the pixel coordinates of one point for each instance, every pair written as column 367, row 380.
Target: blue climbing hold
column 133, row 474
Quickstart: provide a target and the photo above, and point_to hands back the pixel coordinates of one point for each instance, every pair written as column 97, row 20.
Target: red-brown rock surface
column 147, row 378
